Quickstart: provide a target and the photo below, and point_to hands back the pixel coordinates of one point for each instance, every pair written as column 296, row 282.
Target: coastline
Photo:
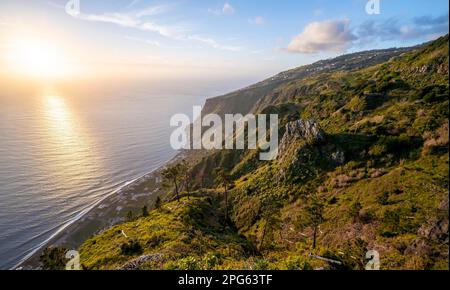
column 103, row 214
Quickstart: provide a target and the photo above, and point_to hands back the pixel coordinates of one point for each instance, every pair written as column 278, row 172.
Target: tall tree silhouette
column 172, row 175
column 313, row 216
column 226, row 181
column 270, row 213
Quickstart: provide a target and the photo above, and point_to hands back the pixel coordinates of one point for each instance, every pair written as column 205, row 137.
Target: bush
column 188, row 263
column 54, row 258
column 145, row 211
column 390, row 223
column 383, row 198
column 432, row 93
column 355, row 209
column 261, row 264
column 297, row 263
column 131, row 248
column 210, row 261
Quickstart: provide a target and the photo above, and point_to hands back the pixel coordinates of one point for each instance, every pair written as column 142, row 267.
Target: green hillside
column 372, row 175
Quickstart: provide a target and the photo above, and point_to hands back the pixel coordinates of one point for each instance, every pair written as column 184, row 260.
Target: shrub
column 261, row 264
column 297, row 263
column 210, row 261
column 158, row 203
column 145, row 211
column 188, row 263
column 390, row 224
column 432, row 93
column 355, row 209
column 131, row 248
column 54, row 258
column 383, row 198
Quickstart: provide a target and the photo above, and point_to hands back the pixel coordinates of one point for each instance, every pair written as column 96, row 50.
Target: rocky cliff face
column 304, row 143
column 308, row 130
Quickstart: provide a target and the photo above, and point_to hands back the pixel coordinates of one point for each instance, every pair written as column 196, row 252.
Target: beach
column 103, row 214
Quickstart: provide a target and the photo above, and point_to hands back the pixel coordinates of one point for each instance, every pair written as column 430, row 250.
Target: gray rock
column 136, row 263
column 308, row 130
column 435, row 229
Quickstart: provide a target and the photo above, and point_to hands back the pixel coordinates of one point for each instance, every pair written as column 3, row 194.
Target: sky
column 239, row 40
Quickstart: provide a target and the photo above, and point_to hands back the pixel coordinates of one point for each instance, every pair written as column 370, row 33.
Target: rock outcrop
column 136, row 263
column 308, row 130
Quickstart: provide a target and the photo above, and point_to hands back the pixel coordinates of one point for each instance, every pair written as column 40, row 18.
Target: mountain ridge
column 233, row 103
column 364, row 167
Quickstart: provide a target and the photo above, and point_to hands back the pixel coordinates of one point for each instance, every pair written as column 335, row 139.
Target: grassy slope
column 391, row 122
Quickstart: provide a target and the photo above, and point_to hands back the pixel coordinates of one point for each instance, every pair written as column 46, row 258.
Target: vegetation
column 377, row 180
column 54, row 258
column 173, row 175
column 313, row 217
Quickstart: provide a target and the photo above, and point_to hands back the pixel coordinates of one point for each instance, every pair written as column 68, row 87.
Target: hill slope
column 371, row 175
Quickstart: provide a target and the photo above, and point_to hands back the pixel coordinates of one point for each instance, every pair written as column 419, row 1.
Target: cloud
column 429, row 20
column 333, row 35
column 137, row 20
column 258, row 20
column 427, row 27
column 227, row 9
column 133, row 3
column 338, row 35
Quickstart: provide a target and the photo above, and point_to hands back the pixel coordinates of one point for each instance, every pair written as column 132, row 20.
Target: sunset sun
column 38, row 59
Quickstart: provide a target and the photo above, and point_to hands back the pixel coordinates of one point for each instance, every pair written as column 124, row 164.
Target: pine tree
column 173, row 175
column 158, row 203
column 130, row 216
column 145, row 211
column 313, row 216
column 225, row 180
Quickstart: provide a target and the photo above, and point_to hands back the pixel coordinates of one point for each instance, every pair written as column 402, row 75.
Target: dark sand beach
column 105, row 213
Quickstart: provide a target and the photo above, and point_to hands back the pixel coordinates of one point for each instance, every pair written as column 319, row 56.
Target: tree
column 272, row 222
column 186, row 176
column 158, row 203
column 355, row 210
column 130, row 216
column 172, row 175
column 225, row 180
column 313, row 216
column 131, row 248
column 54, row 258
column 145, row 211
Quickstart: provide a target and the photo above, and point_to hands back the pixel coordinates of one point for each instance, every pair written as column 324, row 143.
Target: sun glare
column 38, row 59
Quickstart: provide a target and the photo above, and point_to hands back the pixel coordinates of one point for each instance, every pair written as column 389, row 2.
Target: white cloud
column 133, row 3
column 258, row 20
column 136, row 20
column 334, row 36
column 227, row 8
column 139, row 20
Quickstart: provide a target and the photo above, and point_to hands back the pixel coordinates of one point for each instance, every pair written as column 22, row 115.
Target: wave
column 85, row 211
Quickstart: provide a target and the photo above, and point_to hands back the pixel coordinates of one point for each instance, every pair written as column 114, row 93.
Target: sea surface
column 62, row 150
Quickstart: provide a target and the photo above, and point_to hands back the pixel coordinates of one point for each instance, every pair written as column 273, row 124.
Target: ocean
column 62, row 150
